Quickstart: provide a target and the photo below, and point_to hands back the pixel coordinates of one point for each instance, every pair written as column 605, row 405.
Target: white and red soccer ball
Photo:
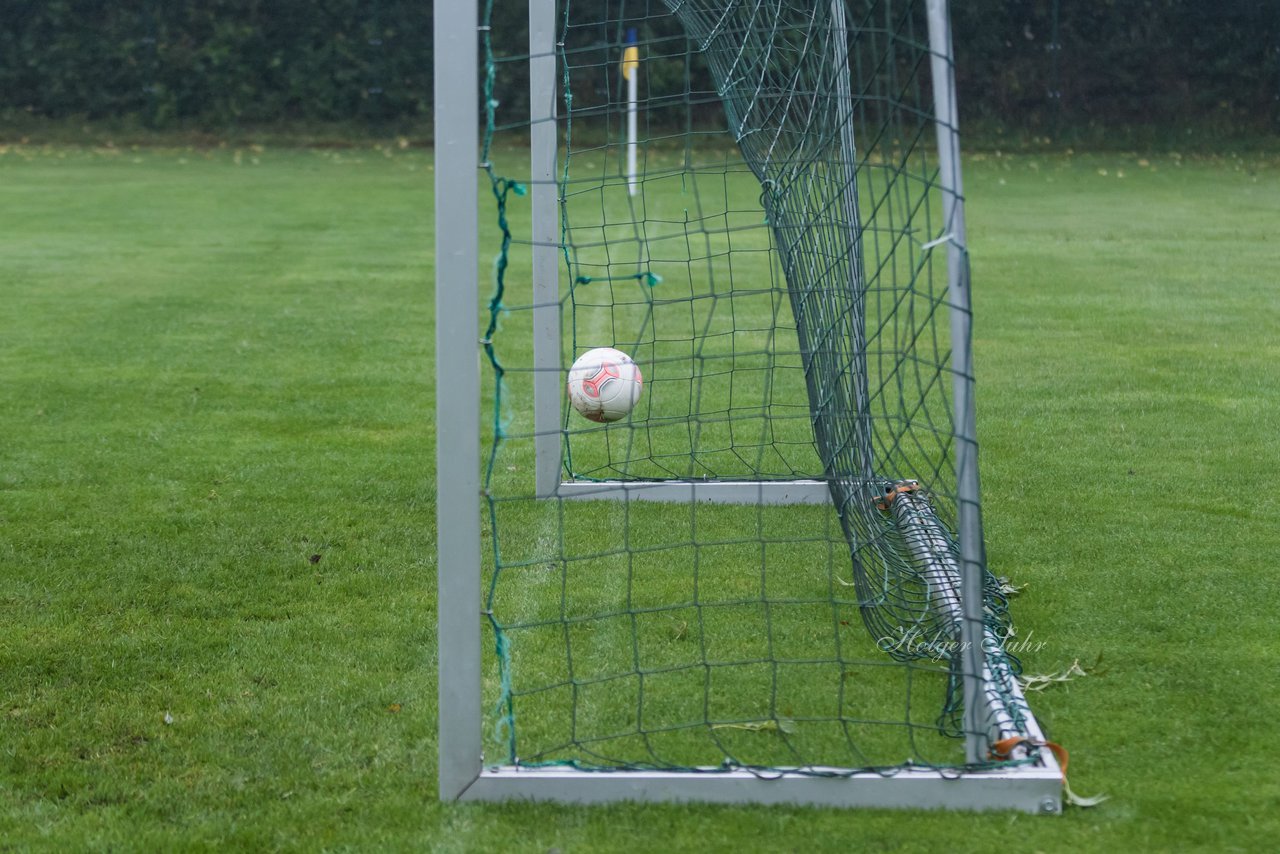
column 604, row 384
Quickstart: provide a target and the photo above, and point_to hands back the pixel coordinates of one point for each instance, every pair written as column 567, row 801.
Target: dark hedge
column 1026, row 64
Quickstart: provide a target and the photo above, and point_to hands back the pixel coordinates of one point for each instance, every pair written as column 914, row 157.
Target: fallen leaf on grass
column 1079, row 801
column 1040, row 682
column 1008, row 588
column 780, row 725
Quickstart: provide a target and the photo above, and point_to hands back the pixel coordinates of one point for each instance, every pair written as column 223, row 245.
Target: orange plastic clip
column 901, row 487
column 1003, row 749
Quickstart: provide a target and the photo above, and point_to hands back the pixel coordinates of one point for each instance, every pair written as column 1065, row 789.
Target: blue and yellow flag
column 631, row 54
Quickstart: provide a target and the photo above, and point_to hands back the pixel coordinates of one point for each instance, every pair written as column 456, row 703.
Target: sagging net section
column 878, row 383
column 777, row 268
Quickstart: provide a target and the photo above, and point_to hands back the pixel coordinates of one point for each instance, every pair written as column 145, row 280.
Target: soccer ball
column 604, row 384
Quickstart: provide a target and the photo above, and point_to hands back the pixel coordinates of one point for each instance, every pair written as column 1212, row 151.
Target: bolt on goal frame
column 889, row 493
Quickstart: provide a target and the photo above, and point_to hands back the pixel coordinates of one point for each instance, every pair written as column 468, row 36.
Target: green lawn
column 217, row 552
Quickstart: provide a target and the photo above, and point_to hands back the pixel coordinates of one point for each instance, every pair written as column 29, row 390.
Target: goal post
column 786, row 599
column 458, row 569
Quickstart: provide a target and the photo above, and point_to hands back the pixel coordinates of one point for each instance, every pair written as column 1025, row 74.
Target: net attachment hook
column 902, row 487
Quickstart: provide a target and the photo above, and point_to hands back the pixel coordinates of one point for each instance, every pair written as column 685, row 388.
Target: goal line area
column 754, row 569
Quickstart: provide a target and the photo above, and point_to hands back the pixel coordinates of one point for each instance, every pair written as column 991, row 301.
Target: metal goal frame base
column 1028, row 789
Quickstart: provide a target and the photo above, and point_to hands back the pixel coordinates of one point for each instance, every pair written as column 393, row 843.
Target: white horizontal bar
column 1031, row 789
column 708, row 491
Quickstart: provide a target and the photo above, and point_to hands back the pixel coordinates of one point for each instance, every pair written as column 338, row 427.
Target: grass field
column 217, row 507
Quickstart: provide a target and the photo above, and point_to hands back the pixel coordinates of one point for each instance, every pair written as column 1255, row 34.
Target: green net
column 776, row 265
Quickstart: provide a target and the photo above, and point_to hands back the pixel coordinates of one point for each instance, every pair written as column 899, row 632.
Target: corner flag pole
column 631, row 72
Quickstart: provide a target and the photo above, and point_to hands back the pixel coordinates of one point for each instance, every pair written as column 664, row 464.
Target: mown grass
column 217, row 506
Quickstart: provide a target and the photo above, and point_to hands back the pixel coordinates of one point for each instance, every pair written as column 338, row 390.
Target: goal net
column 759, row 202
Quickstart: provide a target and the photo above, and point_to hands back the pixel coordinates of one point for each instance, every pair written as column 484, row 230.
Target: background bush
column 1028, row 65
column 217, row 61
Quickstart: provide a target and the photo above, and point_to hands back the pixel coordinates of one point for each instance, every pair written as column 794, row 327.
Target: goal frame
column 463, row 773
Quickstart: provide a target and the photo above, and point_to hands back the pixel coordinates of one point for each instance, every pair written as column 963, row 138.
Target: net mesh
column 778, row 276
